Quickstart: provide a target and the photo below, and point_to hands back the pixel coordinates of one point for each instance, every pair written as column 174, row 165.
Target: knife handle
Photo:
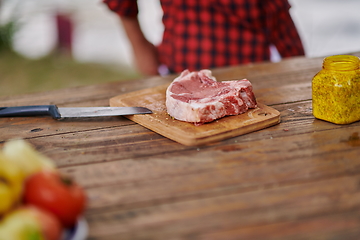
column 26, row 111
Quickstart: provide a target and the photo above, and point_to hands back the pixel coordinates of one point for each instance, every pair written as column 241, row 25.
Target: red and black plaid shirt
column 203, row 34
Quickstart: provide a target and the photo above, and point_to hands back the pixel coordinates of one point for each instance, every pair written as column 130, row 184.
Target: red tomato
column 56, row 194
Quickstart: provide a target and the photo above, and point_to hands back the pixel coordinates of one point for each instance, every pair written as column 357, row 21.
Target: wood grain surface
column 295, row 180
column 187, row 133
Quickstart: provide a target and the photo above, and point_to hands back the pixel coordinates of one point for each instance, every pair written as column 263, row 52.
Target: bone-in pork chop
column 198, row 98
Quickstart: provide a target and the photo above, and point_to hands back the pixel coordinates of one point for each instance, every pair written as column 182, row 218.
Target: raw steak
column 198, row 98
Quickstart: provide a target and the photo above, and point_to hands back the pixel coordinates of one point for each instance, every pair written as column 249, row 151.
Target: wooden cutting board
column 187, row 133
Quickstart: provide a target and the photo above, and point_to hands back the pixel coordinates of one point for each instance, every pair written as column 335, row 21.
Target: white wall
column 326, row 26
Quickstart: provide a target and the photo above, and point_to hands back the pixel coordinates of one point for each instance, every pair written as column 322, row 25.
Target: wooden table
column 299, row 179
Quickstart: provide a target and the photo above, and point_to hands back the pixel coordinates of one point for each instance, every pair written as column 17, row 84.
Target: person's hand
column 146, row 59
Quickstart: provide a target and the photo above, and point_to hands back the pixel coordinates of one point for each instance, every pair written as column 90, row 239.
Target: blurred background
column 50, row 44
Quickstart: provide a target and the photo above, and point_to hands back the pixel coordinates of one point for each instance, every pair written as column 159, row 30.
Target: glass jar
column 336, row 90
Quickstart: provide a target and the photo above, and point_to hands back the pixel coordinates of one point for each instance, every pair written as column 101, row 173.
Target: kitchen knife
column 76, row 112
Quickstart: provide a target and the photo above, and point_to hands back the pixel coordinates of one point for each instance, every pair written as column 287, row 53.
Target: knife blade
column 76, row 112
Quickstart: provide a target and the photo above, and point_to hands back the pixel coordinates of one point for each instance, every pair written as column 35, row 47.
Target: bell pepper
column 11, row 184
column 26, row 157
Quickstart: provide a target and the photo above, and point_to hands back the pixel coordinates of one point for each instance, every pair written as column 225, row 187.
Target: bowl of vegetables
column 37, row 201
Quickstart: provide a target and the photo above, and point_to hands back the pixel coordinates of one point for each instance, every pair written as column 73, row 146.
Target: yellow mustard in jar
column 336, row 90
